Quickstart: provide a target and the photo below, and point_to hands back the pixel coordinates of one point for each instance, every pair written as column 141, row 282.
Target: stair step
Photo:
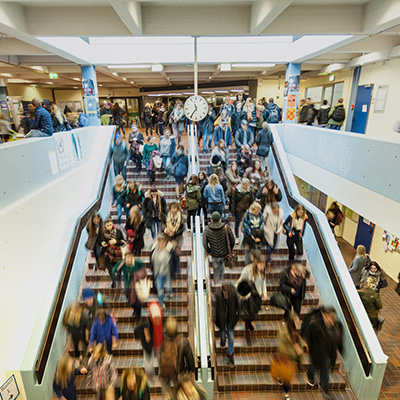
column 124, row 315
column 272, row 285
column 120, row 301
column 126, row 330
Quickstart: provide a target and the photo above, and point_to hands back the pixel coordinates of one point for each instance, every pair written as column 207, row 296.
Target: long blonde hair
column 134, row 216
column 64, row 370
column 370, row 283
column 119, row 183
column 138, row 372
column 361, row 251
column 73, row 314
column 212, row 181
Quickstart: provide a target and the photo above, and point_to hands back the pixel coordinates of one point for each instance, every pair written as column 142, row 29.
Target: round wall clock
column 196, row 108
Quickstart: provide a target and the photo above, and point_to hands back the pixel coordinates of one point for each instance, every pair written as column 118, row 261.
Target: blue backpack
column 273, row 115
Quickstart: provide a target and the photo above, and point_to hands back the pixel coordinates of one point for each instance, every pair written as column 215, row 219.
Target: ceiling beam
column 114, row 77
column 165, row 77
column 215, row 74
column 264, row 12
column 130, row 13
column 380, row 15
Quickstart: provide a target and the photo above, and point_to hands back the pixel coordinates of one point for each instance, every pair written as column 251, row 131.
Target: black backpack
column 305, row 325
column 339, row 114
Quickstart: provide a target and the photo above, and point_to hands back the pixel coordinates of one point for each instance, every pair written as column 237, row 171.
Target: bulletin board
column 381, row 96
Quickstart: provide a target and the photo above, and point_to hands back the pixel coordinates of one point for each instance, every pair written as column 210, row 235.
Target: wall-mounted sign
column 9, row 390
column 53, row 75
column 332, row 78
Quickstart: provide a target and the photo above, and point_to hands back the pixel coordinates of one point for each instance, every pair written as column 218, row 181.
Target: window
column 337, row 92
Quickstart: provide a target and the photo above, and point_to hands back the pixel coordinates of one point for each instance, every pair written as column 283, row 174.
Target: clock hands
column 194, row 110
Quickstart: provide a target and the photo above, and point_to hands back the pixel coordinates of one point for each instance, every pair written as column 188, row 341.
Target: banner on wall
column 9, row 390
column 65, row 150
column 390, row 242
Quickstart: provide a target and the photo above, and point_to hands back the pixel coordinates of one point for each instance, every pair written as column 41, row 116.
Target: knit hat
column 244, row 288
column 216, row 216
column 87, row 293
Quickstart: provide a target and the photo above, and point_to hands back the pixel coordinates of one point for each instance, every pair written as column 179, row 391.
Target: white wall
column 380, row 123
column 271, row 88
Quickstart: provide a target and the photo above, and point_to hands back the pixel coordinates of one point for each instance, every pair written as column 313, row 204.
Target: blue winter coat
column 236, row 119
column 83, row 120
column 264, row 140
column 267, row 113
column 42, row 121
column 207, row 123
column 239, row 138
column 220, row 134
column 229, row 108
column 105, row 332
column 182, row 167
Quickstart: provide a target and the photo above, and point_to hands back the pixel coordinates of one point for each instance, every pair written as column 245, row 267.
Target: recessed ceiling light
column 157, row 67
column 189, row 93
column 253, row 65
column 220, row 91
column 132, row 82
column 122, row 66
column 237, row 90
column 207, row 92
column 38, row 68
column 49, row 83
column 115, row 74
column 100, row 84
column 124, row 79
column 76, row 87
column 6, row 75
column 209, row 77
column 226, row 67
column 76, row 79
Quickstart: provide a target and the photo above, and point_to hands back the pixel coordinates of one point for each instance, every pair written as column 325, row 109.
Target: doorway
column 365, row 230
column 361, row 108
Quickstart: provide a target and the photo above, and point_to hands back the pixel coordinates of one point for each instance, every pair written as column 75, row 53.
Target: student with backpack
column 120, row 156
column 176, row 356
column 337, row 115
column 119, row 197
column 323, row 114
column 272, row 112
column 264, row 141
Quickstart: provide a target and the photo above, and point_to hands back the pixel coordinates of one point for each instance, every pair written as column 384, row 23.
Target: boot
column 231, row 361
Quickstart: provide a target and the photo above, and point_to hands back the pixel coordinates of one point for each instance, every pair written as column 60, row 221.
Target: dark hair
column 271, row 100
column 328, row 310
column 254, row 165
column 325, row 102
column 373, row 264
column 194, row 180
column 204, row 174
column 91, row 226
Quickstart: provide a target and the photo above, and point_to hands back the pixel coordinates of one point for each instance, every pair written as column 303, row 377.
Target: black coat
column 138, row 242
column 226, row 310
column 148, row 207
column 249, row 300
column 133, row 198
column 139, row 334
column 241, row 201
column 264, row 141
column 286, row 288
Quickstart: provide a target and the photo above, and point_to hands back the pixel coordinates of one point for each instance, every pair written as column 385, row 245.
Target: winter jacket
column 139, row 334
column 103, row 333
column 270, row 197
column 94, row 237
column 323, row 342
column 42, row 121
column 286, row 344
column 307, row 114
column 83, row 120
column 165, row 147
column 241, row 200
column 331, row 120
column 134, row 198
column 68, row 392
column 147, row 150
column 239, row 138
column 193, row 197
column 148, row 208
column 231, row 182
column 147, row 116
column 286, row 288
column 356, row 268
column 120, row 153
column 323, row 114
column 251, row 222
column 138, row 135
column 268, row 228
column 372, row 302
column 138, row 241
column 215, row 195
column 229, row 108
column 380, row 277
column 272, row 113
column 207, row 123
column 102, row 373
column 226, row 310
column 249, row 300
column 60, row 126
column 143, row 389
column 182, row 166
column 259, row 282
column 128, row 270
column 236, row 119
column 221, row 134
column 119, row 197
column 214, row 239
column 264, row 141
column 288, row 226
column 117, row 116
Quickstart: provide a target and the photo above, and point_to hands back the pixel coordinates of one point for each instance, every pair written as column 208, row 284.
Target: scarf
column 108, row 235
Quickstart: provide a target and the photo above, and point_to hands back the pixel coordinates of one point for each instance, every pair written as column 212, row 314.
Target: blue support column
column 353, row 96
column 90, row 94
column 291, row 93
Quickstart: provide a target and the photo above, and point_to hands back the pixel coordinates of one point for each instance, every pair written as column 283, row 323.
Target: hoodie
column 214, row 239
column 272, row 113
column 103, row 333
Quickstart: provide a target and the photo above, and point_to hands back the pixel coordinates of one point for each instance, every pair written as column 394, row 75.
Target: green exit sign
column 53, row 75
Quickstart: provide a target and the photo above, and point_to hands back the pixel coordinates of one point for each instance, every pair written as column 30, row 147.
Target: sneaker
column 327, row 396
column 310, row 382
column 237, row 242
column 170, row 296
column 286, row 396
column 113, row 285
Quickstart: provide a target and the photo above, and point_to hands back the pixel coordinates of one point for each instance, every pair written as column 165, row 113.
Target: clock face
column 196, row 108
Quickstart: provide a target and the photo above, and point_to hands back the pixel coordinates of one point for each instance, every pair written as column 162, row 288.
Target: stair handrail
column 47, row 343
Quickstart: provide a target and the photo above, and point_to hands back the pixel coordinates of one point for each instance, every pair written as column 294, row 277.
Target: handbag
column 173, row 169
column 281, row 301
column 231, row 258
column 282, row 369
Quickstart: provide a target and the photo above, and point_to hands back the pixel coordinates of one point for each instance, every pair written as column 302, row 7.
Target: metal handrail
column 62, row 287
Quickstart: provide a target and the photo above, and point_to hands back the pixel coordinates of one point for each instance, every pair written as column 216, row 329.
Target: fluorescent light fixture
column 209, row 77
column 226, row 67
column 100, row 84
column 174, row 94
column 124, row 66
column 132, row 82
column 237, row 90
column 253, row 65
column 76, row 79
column 76, row 87
column 115, row 74
column 207, row 92
column 124, row 79
column 221, row 91
column 157, row 68
column 188, row 93
column 49, row 83
column 38, row 68
column 152, row 95
column 7, row 75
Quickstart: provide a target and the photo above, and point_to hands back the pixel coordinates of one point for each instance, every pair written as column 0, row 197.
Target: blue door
column 361, row 108
column 364, row 233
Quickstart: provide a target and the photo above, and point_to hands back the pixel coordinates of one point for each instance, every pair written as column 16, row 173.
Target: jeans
column 160, row 128
column 215, row 207
column 161, row 282
column 335, row 127
column 166, row 160
column 35, row 133
column 230, row 332
column 294, row 241
column 218, row 264
column 137, row 160
column 210, row 135
column 155, row 228
column 119, row 212
column 120, row 169
column 119, row 128
column 270, row 249
column 149, row 127
column 237, row 223
column 323, row 375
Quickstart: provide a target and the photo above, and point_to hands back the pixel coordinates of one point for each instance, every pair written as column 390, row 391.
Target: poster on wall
column 65, row 150
column 390, row 242
column 293, row 83
column 291, row 101
column 290, row 114
column 9, row 390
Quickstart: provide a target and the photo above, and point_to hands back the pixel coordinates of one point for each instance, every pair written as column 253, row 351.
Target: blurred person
column 237, row 116
column 227, row 106
column 83, row 119
column 175, row 225
column 244, row 159
column 135, row 230
column 269, row 193
column 239, row 98
column 249, row 302
column 102, row 374
column 307, row 112
column 338, row 215
column 292, row 283
column 206, row 125
column 256, row 273
column 176, row 356
column 67, row 110
column 232, row 181
column 337, row 115
column 120, row 156
column 26, row 123
column 180, row 166
column 94, row 229
column 118, row 118
column 59, row 122
column 193, row 197
column 371, row 300
column 273, row 226
column 135, row 133
column 187, row 389
column 64, row 379
column 330, row 216
column 241, row 200
column 215, row 243
column 361, row 260
column 91, row 305
column 134, row 385
column 302, row 112
column 147, row 117
column 264, row 141
column 42, row 125
column 150, row 334
column 160, row 122
column 256, row 175
column 135, row 154
column 214, row 195
column 103, row 331
column 166, row 148
column 294, row 228
column 203, row 182
column 133, row 194
column 147, row 150
column 243, row 136
column 220, row 151
column 154, row 211
column 177, row 118
column 226, row 315
column 324, row 337
column 119, row 197
column 253, row 222
column 373, row 269
column 272, row 112
column 252, row 115
column 323, row 114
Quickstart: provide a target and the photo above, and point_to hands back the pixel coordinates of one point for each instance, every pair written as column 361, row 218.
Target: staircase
column 129, row 352
column 254, row 350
